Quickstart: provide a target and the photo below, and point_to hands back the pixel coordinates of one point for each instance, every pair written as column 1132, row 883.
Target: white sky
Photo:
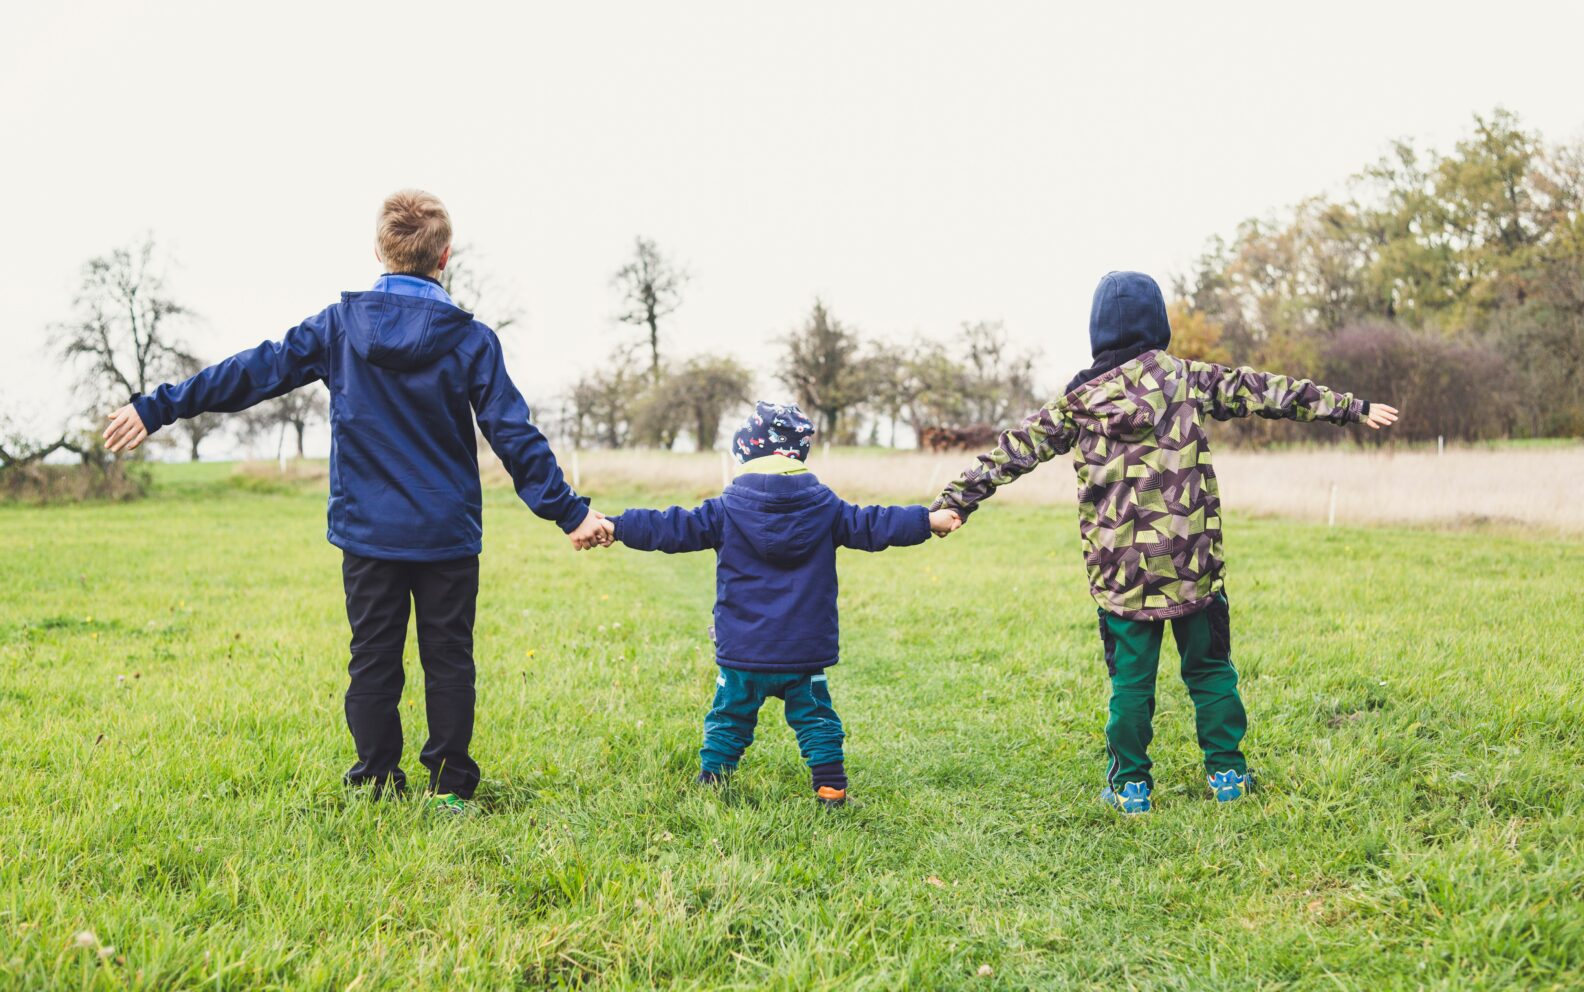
column 915, row 164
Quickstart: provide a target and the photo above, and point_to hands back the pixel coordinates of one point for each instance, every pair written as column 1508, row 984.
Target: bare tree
column 17, row 450
column 650, row 288
column 296, row 411
column 999, row 384
column 122, row 334
column 602, row 403
column 195, row 429
column 468, row 286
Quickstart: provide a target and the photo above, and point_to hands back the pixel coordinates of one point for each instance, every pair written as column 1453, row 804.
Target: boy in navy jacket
column 775, row 531
column 407, row 372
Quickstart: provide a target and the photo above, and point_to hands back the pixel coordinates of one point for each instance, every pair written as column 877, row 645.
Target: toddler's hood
column 784, row 518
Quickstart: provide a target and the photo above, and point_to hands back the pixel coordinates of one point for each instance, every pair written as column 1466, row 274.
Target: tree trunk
column 654, row 347
column 193, row 448
column 301, row 427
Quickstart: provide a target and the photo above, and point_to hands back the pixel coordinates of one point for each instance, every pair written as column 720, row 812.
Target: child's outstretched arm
column 1018, row 451
column 673, row 531
column 875, row 528
column 1243, row 391
column 246, row 378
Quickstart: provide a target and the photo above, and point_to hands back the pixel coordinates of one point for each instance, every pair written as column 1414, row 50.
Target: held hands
column 943, row 522
column 1380, row 415
column 126, row 430
column 594, row 532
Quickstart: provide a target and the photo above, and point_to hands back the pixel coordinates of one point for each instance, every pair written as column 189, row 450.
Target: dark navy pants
column 380, row 595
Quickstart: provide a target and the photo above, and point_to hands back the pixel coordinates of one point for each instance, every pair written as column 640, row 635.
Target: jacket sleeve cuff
column 575, row 516
column 921, row 519
column 146, row 412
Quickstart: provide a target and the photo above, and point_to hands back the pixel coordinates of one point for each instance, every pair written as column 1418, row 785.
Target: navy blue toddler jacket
column 406, row 374
column 775, row 539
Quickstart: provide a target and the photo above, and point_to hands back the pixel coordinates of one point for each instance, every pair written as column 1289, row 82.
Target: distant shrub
column 37, row 483
column 1460, row 389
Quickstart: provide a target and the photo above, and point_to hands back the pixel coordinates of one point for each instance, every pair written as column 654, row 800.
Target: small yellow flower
column 530, row 652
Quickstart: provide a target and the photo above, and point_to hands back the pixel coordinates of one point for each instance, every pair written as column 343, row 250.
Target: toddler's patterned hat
column 773, row 429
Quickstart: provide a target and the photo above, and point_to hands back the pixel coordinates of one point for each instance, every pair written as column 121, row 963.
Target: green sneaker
column 449, row 803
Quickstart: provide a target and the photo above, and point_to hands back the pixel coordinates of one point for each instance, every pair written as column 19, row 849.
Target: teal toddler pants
column 729, row 727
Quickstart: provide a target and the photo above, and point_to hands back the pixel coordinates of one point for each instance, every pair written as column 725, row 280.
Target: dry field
column 1532, row 487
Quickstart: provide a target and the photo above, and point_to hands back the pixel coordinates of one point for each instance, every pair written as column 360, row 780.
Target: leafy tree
column 825, row 371
column 651, row 289
column 1482, row 245
column 937, row 387
column 706, row 388
column 1194, row 335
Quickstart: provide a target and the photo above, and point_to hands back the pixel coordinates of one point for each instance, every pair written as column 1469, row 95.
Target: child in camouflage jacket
column 1150, row 517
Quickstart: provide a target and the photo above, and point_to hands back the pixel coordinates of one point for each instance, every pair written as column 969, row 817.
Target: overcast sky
column 914, row 164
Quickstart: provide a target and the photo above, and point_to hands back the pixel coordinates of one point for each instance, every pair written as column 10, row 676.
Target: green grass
column 171, row 743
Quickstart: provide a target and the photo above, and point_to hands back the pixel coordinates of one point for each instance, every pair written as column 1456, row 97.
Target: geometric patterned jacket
column 1148, row 510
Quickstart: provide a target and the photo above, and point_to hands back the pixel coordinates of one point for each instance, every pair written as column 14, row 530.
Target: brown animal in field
column 970, row 437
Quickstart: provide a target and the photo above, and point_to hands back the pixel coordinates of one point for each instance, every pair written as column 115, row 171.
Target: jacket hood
column 1127, row 319
column 784, row 518
column 402, row 333
column 1128, row 312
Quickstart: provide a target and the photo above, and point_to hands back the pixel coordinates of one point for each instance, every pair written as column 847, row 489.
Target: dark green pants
column 729, row 727
column 1132, row 652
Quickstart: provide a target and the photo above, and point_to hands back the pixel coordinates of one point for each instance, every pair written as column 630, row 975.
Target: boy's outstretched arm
column 1018, row 451
column 673, row 531
column 243, row 380
column 503, row 417
column 1243, row 391
column 875, row 528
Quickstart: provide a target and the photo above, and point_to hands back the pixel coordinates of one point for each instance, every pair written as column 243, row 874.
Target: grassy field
column 171, row 743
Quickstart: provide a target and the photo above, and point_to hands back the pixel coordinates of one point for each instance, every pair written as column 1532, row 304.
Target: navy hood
column 403, row 333
column 773, row 514
column 1127, row 319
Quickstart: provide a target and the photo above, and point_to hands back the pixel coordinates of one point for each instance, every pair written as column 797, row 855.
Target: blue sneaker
column 1228, row 785
column 1134, row 798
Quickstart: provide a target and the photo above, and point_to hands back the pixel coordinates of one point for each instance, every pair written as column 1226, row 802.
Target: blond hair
column 413, row 231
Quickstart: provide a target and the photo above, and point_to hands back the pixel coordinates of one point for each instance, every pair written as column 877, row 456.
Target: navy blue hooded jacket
column 775, row 539
column 406, row 374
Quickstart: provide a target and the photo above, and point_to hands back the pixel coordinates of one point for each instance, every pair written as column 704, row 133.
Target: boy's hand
column 943, row 522
column 1380, row 415
column 594, row 532
column 126, row 430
